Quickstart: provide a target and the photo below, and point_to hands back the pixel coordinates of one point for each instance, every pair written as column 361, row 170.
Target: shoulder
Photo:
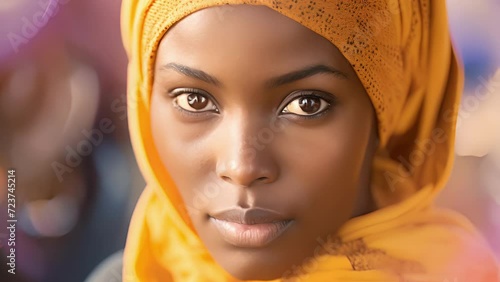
column 109, row 270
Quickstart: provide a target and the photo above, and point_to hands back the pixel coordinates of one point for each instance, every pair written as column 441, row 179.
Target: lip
column 250, row 228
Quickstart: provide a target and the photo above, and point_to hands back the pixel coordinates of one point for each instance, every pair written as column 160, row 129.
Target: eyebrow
column 191, row 72
column 304, row 73
column 272, row 83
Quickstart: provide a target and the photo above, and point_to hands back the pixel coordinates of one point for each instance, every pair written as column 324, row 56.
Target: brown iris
column 309, row 104
column 197, row 101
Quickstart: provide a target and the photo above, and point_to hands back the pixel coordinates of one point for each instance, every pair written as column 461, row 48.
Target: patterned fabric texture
column 401, row 51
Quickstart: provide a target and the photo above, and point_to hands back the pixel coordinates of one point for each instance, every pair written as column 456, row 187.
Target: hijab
column 402, row 53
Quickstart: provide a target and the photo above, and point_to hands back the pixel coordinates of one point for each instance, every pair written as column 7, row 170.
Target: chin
column 254, row 265
column 254, row 273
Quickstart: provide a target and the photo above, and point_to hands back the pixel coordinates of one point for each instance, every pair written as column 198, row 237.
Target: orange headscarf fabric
column 401, row 51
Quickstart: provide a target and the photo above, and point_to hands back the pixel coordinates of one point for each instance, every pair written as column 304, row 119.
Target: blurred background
column 63, row 127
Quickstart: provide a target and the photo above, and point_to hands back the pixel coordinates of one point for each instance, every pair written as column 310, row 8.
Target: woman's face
column 267, row 133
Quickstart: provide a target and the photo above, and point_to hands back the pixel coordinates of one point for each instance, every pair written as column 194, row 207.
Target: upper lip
column 250, row 216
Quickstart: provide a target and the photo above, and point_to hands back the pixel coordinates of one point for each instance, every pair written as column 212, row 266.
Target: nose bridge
column 241, row 159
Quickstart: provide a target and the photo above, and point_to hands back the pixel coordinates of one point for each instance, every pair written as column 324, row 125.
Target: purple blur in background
column 63, row 127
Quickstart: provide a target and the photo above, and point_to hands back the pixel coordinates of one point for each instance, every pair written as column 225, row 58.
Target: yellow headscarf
column 401, row 51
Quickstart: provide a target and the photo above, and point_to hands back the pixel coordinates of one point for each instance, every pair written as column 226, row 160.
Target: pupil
column 309, row 104
column 197, row 101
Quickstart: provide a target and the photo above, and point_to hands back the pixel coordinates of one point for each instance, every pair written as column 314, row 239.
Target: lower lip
column 250, row 235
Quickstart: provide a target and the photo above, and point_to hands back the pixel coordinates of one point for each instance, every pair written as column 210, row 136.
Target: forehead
column 241, row 33
column 247, row 18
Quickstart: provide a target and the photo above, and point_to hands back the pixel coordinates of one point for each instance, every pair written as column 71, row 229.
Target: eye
column 193, row 100
column 306, row 105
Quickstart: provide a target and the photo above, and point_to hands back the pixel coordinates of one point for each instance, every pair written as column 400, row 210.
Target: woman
column 294, row 141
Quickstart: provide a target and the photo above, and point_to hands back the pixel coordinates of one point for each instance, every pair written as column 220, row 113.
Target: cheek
column 327, row 172
column 181, row 152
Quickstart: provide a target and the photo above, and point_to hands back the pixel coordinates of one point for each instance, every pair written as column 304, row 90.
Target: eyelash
column 328, row 98
column 177, row 92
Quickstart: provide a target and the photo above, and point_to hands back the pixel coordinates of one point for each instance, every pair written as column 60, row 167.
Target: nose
column 242, row 159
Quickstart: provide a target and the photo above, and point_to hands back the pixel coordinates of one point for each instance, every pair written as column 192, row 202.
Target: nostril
column 261, row 179
column 225, row 178
column 256, row 180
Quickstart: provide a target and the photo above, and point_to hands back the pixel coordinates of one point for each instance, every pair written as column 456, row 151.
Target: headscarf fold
column 401, row 51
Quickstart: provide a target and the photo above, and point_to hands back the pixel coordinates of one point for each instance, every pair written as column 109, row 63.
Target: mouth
column 250, row 228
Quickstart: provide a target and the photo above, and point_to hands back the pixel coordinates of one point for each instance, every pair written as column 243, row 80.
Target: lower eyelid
column 327, row 101
column 313, row 116
column 189, row 114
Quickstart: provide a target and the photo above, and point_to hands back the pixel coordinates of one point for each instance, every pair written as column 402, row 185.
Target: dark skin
column 219, row 84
